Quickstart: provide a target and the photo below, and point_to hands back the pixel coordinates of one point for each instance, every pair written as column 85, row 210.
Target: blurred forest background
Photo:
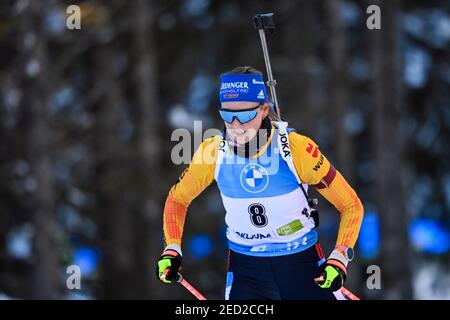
column 86, row 118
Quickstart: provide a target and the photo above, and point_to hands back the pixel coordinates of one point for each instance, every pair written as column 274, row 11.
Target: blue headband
column 243, row 87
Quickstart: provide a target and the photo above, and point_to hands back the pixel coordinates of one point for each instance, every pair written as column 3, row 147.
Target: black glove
column 332, row 275
column 169, row 264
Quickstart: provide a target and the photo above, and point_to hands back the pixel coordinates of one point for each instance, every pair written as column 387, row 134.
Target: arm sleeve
column 191, row 183
column 314, row 169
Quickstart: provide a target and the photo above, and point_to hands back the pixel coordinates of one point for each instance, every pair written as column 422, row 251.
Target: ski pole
column 343, row 290
column 262, row 22
column 349, row 294
column 199, row 296
column 190, row 288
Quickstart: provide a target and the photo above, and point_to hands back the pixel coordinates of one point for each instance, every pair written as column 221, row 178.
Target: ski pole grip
column 264, row 21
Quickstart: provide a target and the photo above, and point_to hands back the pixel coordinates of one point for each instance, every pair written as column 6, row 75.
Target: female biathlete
column 263, row 169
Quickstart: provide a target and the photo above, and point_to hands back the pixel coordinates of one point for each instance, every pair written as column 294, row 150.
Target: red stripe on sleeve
column 326, row 181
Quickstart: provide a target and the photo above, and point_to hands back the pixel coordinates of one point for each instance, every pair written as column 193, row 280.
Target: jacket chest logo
column 254, row 178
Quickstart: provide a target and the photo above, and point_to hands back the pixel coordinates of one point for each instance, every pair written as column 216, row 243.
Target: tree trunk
column 339, row 91
column 147, row 148
column 115, row 219
column 298, row 41
column 338, row 102
column 46, row 272
column 387, row 91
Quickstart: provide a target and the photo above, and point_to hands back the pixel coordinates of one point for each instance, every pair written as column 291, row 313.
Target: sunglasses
column 243, row 116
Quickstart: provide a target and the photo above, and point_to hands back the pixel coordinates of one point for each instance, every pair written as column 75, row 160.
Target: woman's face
column 239, row 133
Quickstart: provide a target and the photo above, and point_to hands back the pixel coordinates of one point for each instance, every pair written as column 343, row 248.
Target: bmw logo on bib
column 254, row 178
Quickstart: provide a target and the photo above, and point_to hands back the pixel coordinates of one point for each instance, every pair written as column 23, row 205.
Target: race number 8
column 257, row 215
